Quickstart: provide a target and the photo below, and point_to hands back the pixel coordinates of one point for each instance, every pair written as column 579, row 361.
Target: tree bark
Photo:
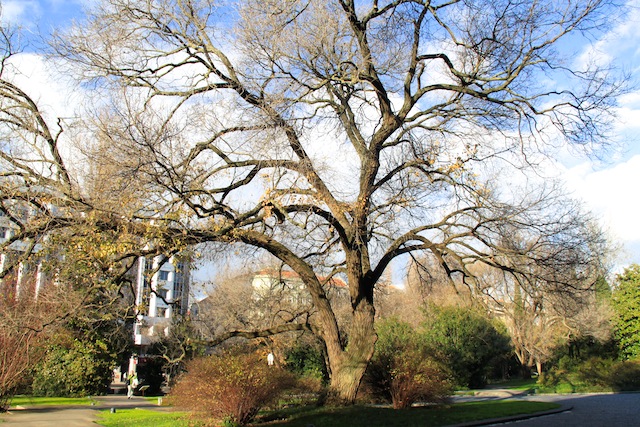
column 348, row 365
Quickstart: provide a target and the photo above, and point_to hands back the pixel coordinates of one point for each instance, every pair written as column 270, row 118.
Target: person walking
column 132, row 383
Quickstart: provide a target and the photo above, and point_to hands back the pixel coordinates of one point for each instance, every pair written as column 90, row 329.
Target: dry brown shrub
column 230, row 388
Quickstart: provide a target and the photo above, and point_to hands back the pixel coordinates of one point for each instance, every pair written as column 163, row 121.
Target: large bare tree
column 335, row 135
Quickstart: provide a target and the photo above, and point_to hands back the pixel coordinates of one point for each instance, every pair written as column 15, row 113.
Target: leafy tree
column 470, row 343
column 626, row 303
column 73, row 367
column 334, row 135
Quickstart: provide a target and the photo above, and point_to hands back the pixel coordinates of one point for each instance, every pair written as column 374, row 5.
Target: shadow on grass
column 366, row 416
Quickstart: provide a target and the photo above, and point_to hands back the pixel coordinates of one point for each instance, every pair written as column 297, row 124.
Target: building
column 25, row 274
column 162, row 291
column 289, row 286
column 161, row 294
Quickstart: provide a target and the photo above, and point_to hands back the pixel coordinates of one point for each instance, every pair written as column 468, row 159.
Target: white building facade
column 162, row 292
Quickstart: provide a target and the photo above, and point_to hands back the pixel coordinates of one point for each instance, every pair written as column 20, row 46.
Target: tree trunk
column 539, row 369
column 349, row 365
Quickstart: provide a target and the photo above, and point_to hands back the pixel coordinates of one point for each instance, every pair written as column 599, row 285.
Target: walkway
column 70, row 416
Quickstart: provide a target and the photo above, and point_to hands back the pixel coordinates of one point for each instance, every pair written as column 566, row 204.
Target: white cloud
column 49, row 89
column 611, row 194
column 619, row 45
column 20, row 12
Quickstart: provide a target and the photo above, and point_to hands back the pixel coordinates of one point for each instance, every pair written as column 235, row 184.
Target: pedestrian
column 132, row 383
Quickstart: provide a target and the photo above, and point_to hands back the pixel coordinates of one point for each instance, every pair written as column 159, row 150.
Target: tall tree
column 335, row 135
column 626, row 304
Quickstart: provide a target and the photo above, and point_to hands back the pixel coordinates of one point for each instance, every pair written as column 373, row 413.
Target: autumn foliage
column 230, row 388
column 16, row 356
column 20, row 319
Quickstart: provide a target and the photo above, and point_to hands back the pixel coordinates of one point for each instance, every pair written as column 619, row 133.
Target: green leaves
column 626, row 303
column 467, row 340
column 74, row 368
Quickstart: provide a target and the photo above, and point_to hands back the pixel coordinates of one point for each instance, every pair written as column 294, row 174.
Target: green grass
column 49, row 401
column 354, row 416
column 517, row 384
column 359, row 416
column 143, row 418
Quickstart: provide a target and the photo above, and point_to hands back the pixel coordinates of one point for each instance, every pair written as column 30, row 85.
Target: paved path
column 589, row 410
column 580, row 410
column 69, row 416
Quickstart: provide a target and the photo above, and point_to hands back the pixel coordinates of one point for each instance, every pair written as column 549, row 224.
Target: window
column 163, row 275
column 161, row 312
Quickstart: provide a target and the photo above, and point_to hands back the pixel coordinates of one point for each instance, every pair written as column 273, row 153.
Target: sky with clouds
column 608, row 186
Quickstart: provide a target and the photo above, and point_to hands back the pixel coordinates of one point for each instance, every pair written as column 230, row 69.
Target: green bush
column 73, row 368
column 591, row 375
column 402, row 369
column 625, row 376
column 594, row 372
column 306, row 360
column 565, row 388
column 230, row 387
column 471, row 344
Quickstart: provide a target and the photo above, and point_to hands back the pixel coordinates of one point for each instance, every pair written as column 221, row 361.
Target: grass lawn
column 49, row 401
column 142, row 418
column 355, row 416
column 517, row 384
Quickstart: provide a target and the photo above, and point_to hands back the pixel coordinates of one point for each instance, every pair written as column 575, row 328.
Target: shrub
column 17, row 352
column 230, row 387
column 402, row 370
column 74, row 368
column 625, row 376
column 471, row 344
column 570, row 375
column 594, row 372
column 307, row 361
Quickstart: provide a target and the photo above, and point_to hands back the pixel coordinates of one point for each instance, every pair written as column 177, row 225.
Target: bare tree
column 555, row 302
column 335, row 135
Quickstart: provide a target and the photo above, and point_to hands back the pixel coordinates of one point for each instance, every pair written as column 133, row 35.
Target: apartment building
column 162, row 291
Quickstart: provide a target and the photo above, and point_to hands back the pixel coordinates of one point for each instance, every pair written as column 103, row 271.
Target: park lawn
column 361, row 416
column 353, row 416
column 50, row 401
column 143, row 418
column 517, row 384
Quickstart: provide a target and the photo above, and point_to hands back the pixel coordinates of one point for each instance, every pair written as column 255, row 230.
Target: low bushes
column 230, row 387
column 472, row 345
column 625, row 376
column 18, row 350
column 403, row 370
column 592, row 375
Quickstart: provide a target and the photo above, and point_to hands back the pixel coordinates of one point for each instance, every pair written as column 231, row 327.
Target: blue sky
column 610, row 187
column 42, row 14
